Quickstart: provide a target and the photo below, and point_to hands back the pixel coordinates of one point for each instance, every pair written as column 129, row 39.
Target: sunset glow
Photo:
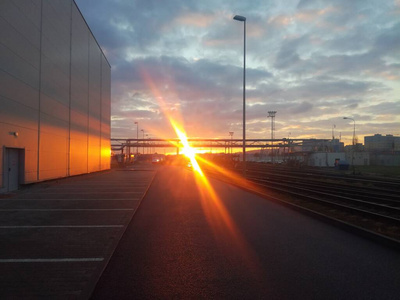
column 187, row 150
column 214, row 209
column 311, row 61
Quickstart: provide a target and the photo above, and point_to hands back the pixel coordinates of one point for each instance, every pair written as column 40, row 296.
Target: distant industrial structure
column 380, row 143
column 311, row 152
column 377, row 150
column 54, row 94
column 384, row 150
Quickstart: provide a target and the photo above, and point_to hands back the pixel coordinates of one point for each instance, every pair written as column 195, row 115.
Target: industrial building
column 55, row 85
column 381, row 143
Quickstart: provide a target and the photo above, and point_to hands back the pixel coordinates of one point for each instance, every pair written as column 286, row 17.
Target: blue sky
column 312, row 61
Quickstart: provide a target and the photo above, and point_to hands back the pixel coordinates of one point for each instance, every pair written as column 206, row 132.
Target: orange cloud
column 196, row 19
column 281, row 20
column 311, row 15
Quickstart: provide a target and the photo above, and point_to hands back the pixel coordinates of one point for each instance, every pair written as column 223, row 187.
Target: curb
column 100, row 271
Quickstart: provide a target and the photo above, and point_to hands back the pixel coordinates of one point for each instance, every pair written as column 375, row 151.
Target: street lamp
column 149, row 146
column 271, row 114
column 143, row 140
column 147, row 150
column 354, row 129
column 137, row 137
column 231, row 134
column 243, row 19
column 354, row 141
column 288, row 143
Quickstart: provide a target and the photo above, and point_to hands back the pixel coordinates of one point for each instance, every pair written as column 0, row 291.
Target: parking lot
column 57, row 237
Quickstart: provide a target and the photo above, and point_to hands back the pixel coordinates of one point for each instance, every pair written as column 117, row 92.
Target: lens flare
column 214, row 209
column 188, row 151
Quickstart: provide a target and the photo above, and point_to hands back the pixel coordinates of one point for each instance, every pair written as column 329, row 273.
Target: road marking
column 68, row 209
column 103, row 186
column 88, row 193
column 98, row 189
column 52, row 260
column 35, row 199
column 62, row 226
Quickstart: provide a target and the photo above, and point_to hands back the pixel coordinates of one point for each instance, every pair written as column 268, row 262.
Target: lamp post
column 142, row 130
column 243, row 19
column 288, row 144
column 271, row 114
column 231, row 134
column 137, row 137
column 354, row 142
column 148, row 148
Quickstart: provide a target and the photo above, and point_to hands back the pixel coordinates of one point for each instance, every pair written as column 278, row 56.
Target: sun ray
column 217, row 215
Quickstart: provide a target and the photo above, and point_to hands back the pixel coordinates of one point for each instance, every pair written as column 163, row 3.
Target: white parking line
column 35, row 199
column 88, row 193
column 81, row 187
column 52, row 260
column 62, row 226
column 68, row 209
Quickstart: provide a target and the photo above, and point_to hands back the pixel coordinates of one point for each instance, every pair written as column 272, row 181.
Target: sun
column 187, row 150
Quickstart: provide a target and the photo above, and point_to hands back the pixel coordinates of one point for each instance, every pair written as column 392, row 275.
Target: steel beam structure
column 118, row 144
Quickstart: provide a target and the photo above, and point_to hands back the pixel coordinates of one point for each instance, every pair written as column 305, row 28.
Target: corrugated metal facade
column 54, row 92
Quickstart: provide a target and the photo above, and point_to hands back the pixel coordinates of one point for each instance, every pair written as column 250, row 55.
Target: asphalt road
column 190, row 241
column 57, row 236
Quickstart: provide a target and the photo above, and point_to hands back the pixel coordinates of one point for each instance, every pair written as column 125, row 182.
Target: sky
column 312, row 61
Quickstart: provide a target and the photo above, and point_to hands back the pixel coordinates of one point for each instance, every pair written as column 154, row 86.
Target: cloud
column 311, row 60
column 388, row 41
column 301, row 108
column 287, row 56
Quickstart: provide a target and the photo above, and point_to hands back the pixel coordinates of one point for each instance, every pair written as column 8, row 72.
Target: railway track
column 371, row 204
column 380, row 208
column 313, row 174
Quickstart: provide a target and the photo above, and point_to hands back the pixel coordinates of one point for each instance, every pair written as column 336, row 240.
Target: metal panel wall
column 19, row 81
column 79, row 95
column 94, row 105
column 54, row 90
column 105, row 114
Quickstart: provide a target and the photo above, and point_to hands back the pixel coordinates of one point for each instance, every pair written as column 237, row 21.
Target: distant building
column 357, row 148
column 314, row 145
column 331, row 159
column 54, row 94
column 358, row 158
column 336, row 145
column 325, row 159
column 380, row 143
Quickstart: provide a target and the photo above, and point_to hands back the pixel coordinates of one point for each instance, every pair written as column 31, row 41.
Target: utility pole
column 143, row 141
column 271, row 114
column 230, row 148
column 137, row 137
column 243, row 19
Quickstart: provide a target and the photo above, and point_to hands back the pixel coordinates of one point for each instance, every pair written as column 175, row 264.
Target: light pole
column 148, row 148
column 271, row 114
column 354, row 141
column 137, row 137
column 243, row 19
column 143, row 141
column 231, row 134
